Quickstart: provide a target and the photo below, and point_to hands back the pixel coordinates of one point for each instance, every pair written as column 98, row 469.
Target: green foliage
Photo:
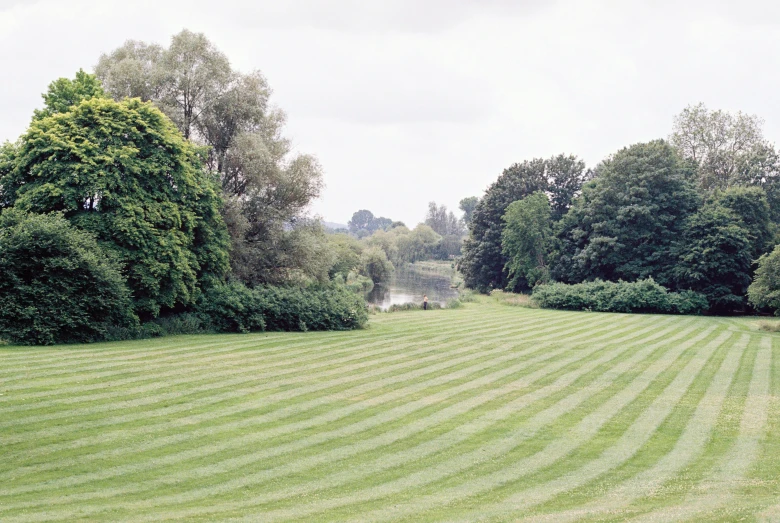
column 65, row 93
column 56, row 284
column 122, row 171
column 483, row 263
column 713, row 257
column 643, row 296
column 750, row 204
column 764, row 292
column 626, row 220
column 526, row 241
column 364, row 223
column 375, row 265
column 233, row 307
column 346, row 252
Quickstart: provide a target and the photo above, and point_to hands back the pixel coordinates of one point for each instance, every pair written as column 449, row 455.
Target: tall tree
column 624, row 223
column 267, row 188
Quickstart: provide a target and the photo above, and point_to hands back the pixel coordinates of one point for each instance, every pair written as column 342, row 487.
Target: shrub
column 233, row 307
column 56, row 284
column 643, row 296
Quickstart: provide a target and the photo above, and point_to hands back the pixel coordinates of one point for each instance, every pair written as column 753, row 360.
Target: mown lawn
column 487, row 412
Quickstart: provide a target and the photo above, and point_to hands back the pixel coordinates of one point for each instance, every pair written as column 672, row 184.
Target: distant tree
column 625, row 222
column 397, row 224
column 764, row 292
column 64, row 93
column 421, row 243
column 57, row 285
column 122, row 171
column 714, row 257
column 362, row 219
column 526, row 241
column 444, row 222
column 467, row 205
column 375, row 265
column 346, row 254
column 381, row 224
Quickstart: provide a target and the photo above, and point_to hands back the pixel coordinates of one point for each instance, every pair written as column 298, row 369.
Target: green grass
column 484, row 412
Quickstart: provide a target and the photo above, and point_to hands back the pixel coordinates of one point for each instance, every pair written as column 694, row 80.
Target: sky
column 410, row 101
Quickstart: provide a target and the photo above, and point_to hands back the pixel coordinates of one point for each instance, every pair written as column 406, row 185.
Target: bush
column 643, row 296
column 233, row 307
column 56, row 284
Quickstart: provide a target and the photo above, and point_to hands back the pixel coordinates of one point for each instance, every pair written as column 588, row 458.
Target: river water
column 409, row 283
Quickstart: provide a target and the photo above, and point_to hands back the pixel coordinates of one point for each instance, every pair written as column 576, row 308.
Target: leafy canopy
column 122, row 171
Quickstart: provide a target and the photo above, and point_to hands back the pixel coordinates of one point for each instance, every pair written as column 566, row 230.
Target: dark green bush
column 643, row 296
column 233, row 307
column 56, row 284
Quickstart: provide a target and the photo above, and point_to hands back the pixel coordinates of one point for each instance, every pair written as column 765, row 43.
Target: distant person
column 425, row 302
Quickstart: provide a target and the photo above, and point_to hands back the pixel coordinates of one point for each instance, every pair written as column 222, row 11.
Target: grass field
column 486, row 412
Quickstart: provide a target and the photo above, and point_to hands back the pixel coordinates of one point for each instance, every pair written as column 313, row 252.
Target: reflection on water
column 409, row 284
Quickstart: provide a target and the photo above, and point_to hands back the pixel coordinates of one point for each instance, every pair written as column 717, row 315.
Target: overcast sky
column 409, row 101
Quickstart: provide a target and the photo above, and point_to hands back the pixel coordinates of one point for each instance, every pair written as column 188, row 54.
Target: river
column 409, row 283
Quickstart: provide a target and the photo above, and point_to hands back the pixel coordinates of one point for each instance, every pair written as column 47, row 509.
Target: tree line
column 698, row 213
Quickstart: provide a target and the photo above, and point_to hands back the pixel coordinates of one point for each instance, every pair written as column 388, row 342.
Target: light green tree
column 526, row 241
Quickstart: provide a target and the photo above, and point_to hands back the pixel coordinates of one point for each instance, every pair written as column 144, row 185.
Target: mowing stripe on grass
column 485, row 412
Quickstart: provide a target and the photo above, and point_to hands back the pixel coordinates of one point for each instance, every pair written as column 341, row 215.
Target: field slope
column 488, row 412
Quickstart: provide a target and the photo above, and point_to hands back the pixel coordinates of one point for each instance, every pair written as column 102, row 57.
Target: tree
column 717, row 142
column 122, row 171
column 267, row 189
column 764, row 292
column 483, row 264
column 375, row 265
column 56, row 284
column 526, row 241
column 714, row 257
column 751, row 206
column 443, row 222
column 361, row 220
column 626, row 220
column 64, row 93
column 132, row 71
column 418, row 244
column 467, row 205
column 346, row 254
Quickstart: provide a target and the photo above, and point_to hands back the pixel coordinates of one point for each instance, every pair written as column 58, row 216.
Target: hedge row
column 643, row 296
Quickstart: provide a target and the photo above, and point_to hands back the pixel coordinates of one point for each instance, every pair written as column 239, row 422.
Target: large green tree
column 122, row 171
column 626, row 220
column 764, row 292
column 713, row 257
